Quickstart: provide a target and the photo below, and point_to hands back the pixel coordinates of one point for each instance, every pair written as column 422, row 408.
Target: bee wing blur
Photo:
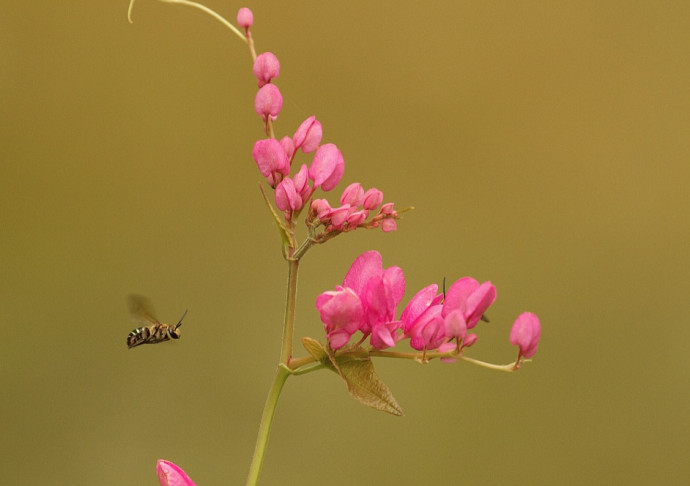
column 141, row 310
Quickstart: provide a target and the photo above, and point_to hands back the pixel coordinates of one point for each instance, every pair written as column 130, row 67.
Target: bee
column 152, row 330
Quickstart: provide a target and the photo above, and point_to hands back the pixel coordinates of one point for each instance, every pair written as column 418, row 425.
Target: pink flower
column 266, row 67
column 422, row 321
column 525, row 333
column 289, row 146
column 245, row 18
column 341, row 313
column 380, row 290
column 470, row 298
column 378, row 293
column 422, row 300
column 321, row 209
column 271, row 160
column 301, row 180
column 268, row 102
column 388, row 225
column 327, row 167
column 286, row 196
column 170, row 474
column 372, row 199
column 308, row 135
column 352, row 195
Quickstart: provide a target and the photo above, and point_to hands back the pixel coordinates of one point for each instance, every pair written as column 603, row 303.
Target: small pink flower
column 271, row 160
column 426, row 332
column 388, row 225
column 321, row 209
column 471, row 298
column 355, row 218
column 525, row 333
column 245, row 18
column 338, row 216
column 266, row 67
column 268, row 102
column 289, row 146
column 301, row 180
column 352, row 195
column 286, row 196
column 469, row 340
column 327, row 167
column 372, row 199
column 308, row 135
column 341, row 313
column 170, row 474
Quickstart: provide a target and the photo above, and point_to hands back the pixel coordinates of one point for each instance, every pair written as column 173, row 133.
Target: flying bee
column 151, row 331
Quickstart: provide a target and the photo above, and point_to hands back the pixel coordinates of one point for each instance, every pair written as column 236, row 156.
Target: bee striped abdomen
column 151, row 335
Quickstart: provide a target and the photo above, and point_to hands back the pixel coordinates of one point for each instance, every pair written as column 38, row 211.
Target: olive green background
column 545, row 146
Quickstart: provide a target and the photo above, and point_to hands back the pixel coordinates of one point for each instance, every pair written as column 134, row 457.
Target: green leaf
column 315, row 348
column 355, row 367
column 365, row 386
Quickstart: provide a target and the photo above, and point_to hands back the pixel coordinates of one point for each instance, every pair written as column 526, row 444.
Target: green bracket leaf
column 357, row 371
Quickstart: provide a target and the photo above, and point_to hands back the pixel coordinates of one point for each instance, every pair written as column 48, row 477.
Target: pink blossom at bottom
column 170, row 474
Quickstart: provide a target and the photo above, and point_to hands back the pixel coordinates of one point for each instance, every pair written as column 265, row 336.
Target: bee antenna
column 444, row 288
column 180, row 322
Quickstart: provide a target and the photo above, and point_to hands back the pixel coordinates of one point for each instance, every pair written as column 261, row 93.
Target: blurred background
column 545, row 147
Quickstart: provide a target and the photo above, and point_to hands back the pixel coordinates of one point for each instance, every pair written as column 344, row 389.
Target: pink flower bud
column 388, row 225
column 321, row 208
column 327, row 167
column 308, row 135
column 245, row 18
column 271, row 159
column 338, row 216
column 268, row 101
column 171, row 475
column 469, row 340
column 288, row 145
column 301, row 180
column 372, row 199
column 352, row 195
column 356, row 218
column 387, row 209
column 266, row 67
column 287, row 197
column 525, row 334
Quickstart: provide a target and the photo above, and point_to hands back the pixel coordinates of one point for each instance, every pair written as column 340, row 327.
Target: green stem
column 265, row 426
column 290, row 301
column 204, row 9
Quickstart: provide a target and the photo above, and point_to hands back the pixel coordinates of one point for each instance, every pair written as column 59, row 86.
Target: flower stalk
column 282, row 375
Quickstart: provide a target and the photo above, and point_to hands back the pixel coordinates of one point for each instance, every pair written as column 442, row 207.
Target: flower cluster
column 275, row 158
column 367, row 302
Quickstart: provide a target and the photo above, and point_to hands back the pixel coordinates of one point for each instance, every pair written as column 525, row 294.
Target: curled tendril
column 201, row 7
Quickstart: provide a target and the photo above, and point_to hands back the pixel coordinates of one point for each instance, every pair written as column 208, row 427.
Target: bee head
column 175, row 331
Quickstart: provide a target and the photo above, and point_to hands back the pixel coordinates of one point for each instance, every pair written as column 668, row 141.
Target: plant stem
column 265, row 426
column 289, row 324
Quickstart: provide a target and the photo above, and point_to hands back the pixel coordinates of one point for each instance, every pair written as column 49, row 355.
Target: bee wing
column 141, row 310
